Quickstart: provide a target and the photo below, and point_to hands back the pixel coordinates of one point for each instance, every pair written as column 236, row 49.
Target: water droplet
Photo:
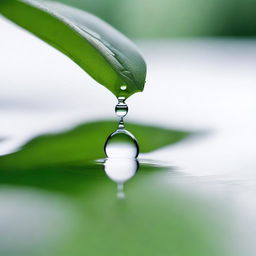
column 121, row 124
column 121, row 149
column 123, row 87
column 121, row 107
column 121, row 144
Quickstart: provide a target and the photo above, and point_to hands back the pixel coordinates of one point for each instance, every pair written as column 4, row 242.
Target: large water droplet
column 121, row 107
column 121, row 144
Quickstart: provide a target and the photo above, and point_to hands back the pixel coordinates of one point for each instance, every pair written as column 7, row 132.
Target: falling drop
column 121, row 108
column 121, row 144
column 121, row 149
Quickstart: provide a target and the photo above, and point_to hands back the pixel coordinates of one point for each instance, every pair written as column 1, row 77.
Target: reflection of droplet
column 121, row 107
column 120, row 170
column 123, row 87
column 121, row 144
column 120, row 191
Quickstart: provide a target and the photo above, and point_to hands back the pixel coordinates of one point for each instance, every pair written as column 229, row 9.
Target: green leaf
column 99, row 49
column 84, row 143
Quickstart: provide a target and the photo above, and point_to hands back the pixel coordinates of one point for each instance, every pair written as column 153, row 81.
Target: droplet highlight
column 123, row 87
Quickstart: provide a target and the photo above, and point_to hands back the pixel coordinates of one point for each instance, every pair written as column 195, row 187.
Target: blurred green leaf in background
column 84, row 143
column 74, row 211
column 174, row 18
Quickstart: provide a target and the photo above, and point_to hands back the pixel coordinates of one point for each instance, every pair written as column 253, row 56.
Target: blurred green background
column 175, row 18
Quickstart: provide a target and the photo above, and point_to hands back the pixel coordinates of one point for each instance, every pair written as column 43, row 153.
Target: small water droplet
column 121, row 144
column 123, row 87
column 121, row 107
column 121, row 124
